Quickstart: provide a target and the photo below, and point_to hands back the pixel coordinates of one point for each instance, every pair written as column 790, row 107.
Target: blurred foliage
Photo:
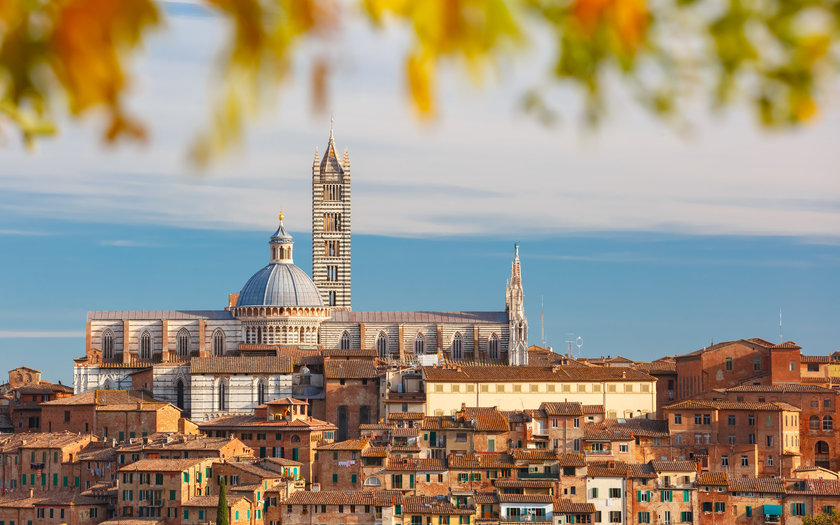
column 779, row 56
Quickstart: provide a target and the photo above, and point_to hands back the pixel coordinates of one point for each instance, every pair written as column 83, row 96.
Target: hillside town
column 288, row 407
column 736, row 432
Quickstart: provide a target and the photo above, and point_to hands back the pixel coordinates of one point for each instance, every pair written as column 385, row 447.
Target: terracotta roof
column 350, row 352
column 673, row 466
column 613, row 469
column 787, row 345
column 816, row 487
column 62, row 497
column 227, row 422
column 564, row 506
column 104, row 397
column 343, row 316
column 404, row 432
column 660, row 366
column 411, row 449
column 405, row 416
column 526, row 498
column 604, row 432
column 210, row 501
column 286, row 401
column 816, row 359
column 301, row 356
column 154, row 315
column 523, row 483
column 765, row 485
column 476, row 461
column 640, row 470
column 377, row 426
column 479, row 419
column 485, row 374
column 241, row 365
column 787, row 388
column 375, row 452
column 562, row 409
column 350, row 444
column 349, row 369
column 417, row 464
column 331, row 497
column 713, row 478
column 755, row 341
column 486, row 498
column 432, row 505
column 12, row 442
column 592, row 409
column 283, row 462
column 732, row 405
column 163, row 465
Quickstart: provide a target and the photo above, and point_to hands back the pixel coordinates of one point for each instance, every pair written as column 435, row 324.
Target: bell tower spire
column 515, row 307
column 331, row 225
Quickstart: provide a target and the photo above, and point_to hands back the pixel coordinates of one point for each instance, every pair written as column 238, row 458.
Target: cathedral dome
column 280, row 283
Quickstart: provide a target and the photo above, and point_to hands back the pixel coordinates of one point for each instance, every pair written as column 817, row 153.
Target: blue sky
column 643, row 241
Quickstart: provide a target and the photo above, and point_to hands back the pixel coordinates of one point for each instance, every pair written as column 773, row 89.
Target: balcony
column 599, row 453
column 538, row 475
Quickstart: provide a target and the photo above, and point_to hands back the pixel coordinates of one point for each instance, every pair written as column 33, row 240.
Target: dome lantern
column 281, row 244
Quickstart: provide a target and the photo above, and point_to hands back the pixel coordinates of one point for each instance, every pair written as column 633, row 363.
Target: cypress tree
column 222, row 510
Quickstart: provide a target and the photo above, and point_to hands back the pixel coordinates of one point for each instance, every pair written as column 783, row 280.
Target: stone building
column 169, row 352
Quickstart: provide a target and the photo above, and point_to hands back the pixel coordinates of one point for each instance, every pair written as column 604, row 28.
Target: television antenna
column 574, row 341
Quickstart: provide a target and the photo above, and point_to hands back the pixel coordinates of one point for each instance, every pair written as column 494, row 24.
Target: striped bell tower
column 331, row 226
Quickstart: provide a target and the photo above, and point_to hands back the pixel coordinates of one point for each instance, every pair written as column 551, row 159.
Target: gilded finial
column 280, row 216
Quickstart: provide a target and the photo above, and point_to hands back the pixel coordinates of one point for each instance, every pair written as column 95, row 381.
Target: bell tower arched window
column 458, row 346
column 345, row 341
column 419, row 344
column 382, row 344
column 218, row 342
column 108, row 344
column 183, row 342
column 493, row 346
column 146, row 345
column 261, row 392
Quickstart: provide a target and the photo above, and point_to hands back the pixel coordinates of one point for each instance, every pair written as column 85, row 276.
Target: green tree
column 778, row 56
column 222, row 512
column 830, row 518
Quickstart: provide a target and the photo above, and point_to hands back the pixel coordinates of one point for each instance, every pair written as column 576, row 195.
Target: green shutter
column 686, row 496
column 639, row 496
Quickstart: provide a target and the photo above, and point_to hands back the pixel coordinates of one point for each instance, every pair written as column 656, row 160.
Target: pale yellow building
column 624, row 392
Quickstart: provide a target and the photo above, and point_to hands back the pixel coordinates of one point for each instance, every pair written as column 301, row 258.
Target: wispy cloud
column 125, row 243
column 40, row 334
column 24, row 233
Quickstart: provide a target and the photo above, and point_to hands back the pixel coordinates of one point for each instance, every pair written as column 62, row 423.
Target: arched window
column 828, row 423
column 295, row 439
column 222, row 402
column 458, row 346
column 179, row 391
column 146, row 345
column 107, row 344
column 493, row 346
column 419, row 344
column 183, row 342
column 814, row 423
column 218, row 342
column 261, row 391
column 345, row 341
column 822, row 455
column 372, row 481
column 382, row 344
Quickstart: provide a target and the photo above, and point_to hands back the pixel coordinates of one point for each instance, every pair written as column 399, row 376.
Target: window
column 756, row 364
column 707, row 506
column 183, row 342
column 769, row 461
column 644, row 495
column 827, row 423
column 615, row 493
column 108, row 344
column 146, row 345
column 419, row 344
column 666, row 495
column 724, row 461
column 751, row 420
column 731, row 439
column 644, row 517
column 678, row 419
column 745, row 461
column 729, row 363
column 749, row 511
column 615, row 516
column 623, row 447
column 698, row 419
column 458, row 346
column 707, row 419
column 720, row 506
column 345, row 341
column 493, row 346
column 218, row 342
column 686, row 517
column 331, row 298
column 798, row 509
column 731, row 420
column 769, row 440
column 222, row 395
column 814, row 423
column 261, row 390
column 382, row 344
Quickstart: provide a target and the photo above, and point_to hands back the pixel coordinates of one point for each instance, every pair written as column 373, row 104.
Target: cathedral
column 265, row 342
